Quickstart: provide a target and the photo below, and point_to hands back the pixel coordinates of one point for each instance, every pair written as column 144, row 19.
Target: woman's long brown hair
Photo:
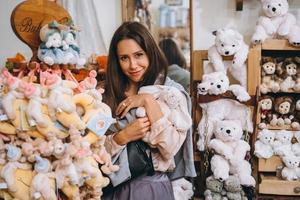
column 116, row 81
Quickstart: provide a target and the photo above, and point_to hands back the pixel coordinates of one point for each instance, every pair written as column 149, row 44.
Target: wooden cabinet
column 269, row 170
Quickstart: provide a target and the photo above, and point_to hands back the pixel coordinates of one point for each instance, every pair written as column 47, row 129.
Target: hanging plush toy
column 41, row 185
column 229, row 42
column 8, row 171
column 276, row 22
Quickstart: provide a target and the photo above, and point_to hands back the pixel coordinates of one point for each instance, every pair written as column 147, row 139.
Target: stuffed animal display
column 280, row 75
column 276, row 22
column 229, row 42
column 279, row 112
column 47, row 147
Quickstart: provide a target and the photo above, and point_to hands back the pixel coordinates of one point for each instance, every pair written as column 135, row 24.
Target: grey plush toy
column 214, row 189
column 234, row 189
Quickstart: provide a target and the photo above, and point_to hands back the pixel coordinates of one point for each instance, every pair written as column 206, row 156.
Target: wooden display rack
column 199, row 58
column 270, row 184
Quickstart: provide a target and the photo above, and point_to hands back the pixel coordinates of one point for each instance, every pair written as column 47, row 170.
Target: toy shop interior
column 150, row 99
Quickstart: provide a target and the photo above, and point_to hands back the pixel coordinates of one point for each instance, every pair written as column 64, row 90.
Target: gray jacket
column 184, row 159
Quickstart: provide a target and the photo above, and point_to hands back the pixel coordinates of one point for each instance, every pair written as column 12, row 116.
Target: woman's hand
column 133, row 101
column 134, row 131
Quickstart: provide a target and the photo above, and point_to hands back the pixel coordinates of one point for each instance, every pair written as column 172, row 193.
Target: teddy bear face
column 285, row 137
column 228, row 130
column 70, row 39
column 232, row 184
column 269, row 68
column 171, row 97
column 266, row 104
column 54, row 40
column 291, row 69
column 214, row 184
column 291, row 161
column 284, row 108
column 275, row 8
column 228, row 41
column 266, row 136
column 214, row 83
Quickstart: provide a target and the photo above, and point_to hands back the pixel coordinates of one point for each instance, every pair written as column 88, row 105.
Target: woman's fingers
column 121, row 107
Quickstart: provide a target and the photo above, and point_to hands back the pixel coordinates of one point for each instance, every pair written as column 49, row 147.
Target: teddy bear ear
column 238, row 35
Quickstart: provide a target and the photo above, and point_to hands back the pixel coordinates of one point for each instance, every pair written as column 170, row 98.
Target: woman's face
column 133, row 59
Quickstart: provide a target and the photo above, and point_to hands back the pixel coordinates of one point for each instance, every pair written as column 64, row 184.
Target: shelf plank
column 276, row 186
column 269, row 165
column 272, row 44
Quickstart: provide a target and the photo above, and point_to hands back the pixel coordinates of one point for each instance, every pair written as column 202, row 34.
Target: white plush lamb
column 8, row 171
column 282, row 145
column 41, row 183
column 34, row 107
column 14, row 93
column 229, row 42
column 264, row 144
column 231, row 151
column 59, row 96
column 276, row 22
column 291, row 171
column 216, row 83
column 223, row 109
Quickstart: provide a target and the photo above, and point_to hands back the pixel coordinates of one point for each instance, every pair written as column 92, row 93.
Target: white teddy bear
column 182, row 189
column 291, row 171
column 222, row 109
column 282, row 145
column 71, row 48
column 231, row 150
column 296, row 146
column 264, row 144
column 229, row 42
column 277, row 21
column 50, row 51
column 216, row 83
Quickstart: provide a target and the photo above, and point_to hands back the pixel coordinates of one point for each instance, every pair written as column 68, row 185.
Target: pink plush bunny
column 59, row 96
column 34, row 107
column 13, row 84
column 89, row 86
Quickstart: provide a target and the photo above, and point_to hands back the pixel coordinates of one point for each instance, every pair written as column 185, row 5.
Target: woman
column 176, row 62
column 134, row 61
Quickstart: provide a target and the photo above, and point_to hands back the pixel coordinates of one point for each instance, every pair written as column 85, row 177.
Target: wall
column 209, row 15
column 10, row 44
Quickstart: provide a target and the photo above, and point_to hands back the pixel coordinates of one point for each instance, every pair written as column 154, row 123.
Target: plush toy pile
column 280, row 143
column 52, row 126
column 283, row 111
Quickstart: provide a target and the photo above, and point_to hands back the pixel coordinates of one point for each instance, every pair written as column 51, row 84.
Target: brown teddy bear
column 266, row 105
column 284, row 107
column 269, row 81
column 287, row 72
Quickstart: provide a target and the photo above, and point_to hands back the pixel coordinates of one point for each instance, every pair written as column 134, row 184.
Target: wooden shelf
column 276, row 186
column 272, row 44
column 269, row 165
